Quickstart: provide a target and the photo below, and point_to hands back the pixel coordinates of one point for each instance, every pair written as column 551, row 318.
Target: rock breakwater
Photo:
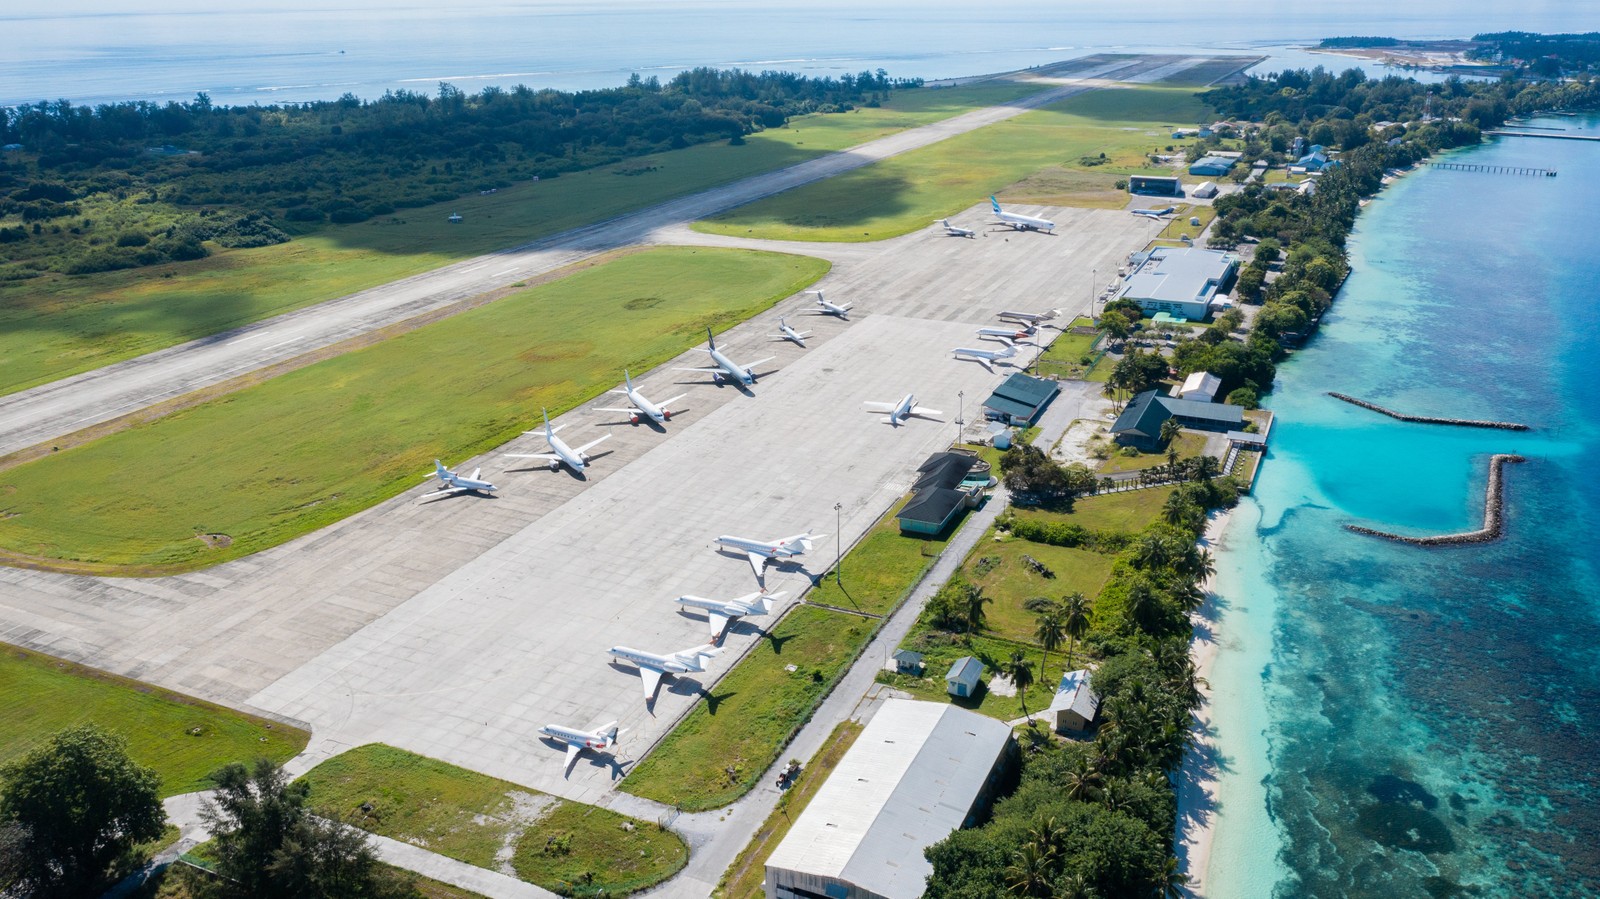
column 1493, row 514
column 1428, row 420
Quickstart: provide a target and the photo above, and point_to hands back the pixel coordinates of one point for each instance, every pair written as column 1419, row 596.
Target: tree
column 1021, row 675
column 1074, row 619
column 1049, row 633
column 74, row 805
column 1116, row 325
column 972, row 603
column 1170, row 429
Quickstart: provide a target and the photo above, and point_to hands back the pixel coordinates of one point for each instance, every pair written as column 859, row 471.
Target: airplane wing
column 670, row 400
column 718, row 622
column 591, row 444
column 759, row 361
column 879, row 407
column 651, row 679
column 986, row 363
column 573, row 751
column 758, row 563
column 452, row 491
column 475, row 472
column 628, row 411
column 548, row 457
column 715, row 369
column 918, row 410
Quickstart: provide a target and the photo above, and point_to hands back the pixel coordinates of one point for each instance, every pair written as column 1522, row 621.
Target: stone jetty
column 1423, row 419
column 1493, row 514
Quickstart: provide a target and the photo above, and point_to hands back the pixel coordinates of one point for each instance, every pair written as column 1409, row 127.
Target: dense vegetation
column 130, row 184
column 1547, row 55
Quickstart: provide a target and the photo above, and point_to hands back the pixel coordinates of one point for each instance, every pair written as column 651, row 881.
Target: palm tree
column 1076, row 885
column 1177, row 509
column 1049, row 633
column 1144, row 607
column 1152, row 552
column 1029, row 871
column 1207, row 467
column 973, row 601
column 1074, row 619
column 1172, row 880
column 1169, row 432
column 1081, row 783
column 1021, row 675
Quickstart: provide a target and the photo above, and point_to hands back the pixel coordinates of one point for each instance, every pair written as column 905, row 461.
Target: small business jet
column 652, row 666
column 455, row 483
column 601, row 739
column 1008, row 335
column 899, row 412
column 760, row 552
column 722, row 612
column 1019, row 221
column 986, row 358
column 1030, row 318
column 726, row 370
column 952, row 231
column 1154, row 213
column 826, row 308
column 577, row 459
column 643, row 408
column 787, row 333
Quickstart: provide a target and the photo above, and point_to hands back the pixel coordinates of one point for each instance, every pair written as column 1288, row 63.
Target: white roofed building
column 1178, row 281
column 919, row 771
column 1201, row 386
column 1075, row 703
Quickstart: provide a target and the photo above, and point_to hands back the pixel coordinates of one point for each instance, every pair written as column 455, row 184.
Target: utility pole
column 838, row 544
column 961, row 413
column 1094, row 278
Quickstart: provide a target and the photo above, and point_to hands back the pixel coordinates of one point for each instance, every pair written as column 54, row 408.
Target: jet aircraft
column 899, row 412
column 643, row 408
column 826, row 308
column 726, row 370
column 1031, row 318
column 1154, row 213
column 652, row 666
column 601, row 739
column 456, row 483
column 1019, row 221
column 952, row 231
column 577, row 459
column 722, row 612
column 787, row 333
column 1007, row 335
column 760, row 552
column 986, row 358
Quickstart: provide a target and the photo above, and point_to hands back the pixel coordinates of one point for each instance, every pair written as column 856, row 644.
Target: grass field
column 271, row 462
column 183, row 739
column 1179, row 225
column 940, row 650
column 1064, row 357
column 58, row 325
column 752, row 712
column 880, row 568
column 899, row 195
column 744, row 878
column 483, row 821
column 1128, row 512
column 1188, row 446
column 182, row 882
column 1010, row 583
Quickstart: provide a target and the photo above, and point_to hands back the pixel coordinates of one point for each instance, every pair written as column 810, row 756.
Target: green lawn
column 1065, row 354
column 1128, row 512
column 881, row 568
column 471, row 817
column 271, row 462
column 1010, row 582
column 1179, row 223
column 58, row 325
column 1188, row 445
column 940, row 650
column 899, row 195
column 729, row 740
column 183, row 739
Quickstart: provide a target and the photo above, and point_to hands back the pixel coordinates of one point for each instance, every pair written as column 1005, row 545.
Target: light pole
column 1094, row 278
column 961, row 423
column 838, row 544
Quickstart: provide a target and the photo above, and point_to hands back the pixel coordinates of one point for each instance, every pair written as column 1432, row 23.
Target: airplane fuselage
column 1005, row 333
column 1032, row 318
column 564, row 453
column 771, row 550
column 647, row 408
column 731, row 370
column 673, row 664
column 574, row 737
column 791, row 334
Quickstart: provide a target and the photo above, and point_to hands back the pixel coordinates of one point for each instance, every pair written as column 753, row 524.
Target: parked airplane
column 1007, row 334
column 722, row 612
column 1032, row 318
column 657, row 412
column 787, row 333
column 601, row 739
column 760, row 552
column 826, row 308
column 456, row 483
column 652, row 666
column 1019, row 221
column 576, row 459
column 899, row 412
column 726, row 370
column 952, row 231
column 986, row 358
column 1154, row 213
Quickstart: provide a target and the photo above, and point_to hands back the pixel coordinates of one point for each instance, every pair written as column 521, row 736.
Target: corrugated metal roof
column 932, row 505
column 1074, row 693
column 1142, row 416
column 965, row 668
column 1027, row 389
column 1175, row 275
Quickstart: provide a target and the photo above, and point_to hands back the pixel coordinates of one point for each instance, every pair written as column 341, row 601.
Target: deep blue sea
column 1405, row 722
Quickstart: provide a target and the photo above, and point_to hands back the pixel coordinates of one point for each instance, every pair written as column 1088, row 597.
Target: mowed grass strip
column 1127, row 512
column 880, row 568
column 182, row 738
column 727, row 742
column 287, row 456
column 57, row 325
column 474, row 818
column 900, row 195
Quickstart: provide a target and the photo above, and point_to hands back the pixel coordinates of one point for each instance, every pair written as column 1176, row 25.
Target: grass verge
column 880, row 568
column 1065, row 356
column 182, row 738
column 1179, row 225
column 998, row 568
column 1128, row 512
column 1188, row 446
column 263, row 465
column 565, row 847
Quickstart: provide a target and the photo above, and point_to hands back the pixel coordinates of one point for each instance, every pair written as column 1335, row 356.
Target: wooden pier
column 1492, row 169
column 1545, row 135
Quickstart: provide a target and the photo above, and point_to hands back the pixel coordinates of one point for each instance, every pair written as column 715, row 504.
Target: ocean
column 1398, row 721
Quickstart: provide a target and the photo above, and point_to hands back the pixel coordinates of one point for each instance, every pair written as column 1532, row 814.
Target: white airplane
column 577, row 459
column 456, row 483
column 652, row 666
column 1008, row 334
column 1019, row 221
column 952, row 231
column 726, row 370
column 601, row 739
column 826, row 308
column 787, row 333
column 899, row 412
column 1154, row 213
column 1032, row 318
column 986, row 358
column 657, row 412
column 760, row 552
column 722, row 612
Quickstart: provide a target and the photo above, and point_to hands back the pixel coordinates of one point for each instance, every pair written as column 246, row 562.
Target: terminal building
column 1181, row 281
column 917, row 772
column 1140, row 423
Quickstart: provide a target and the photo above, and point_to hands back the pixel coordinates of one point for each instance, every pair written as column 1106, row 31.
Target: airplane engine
column 716, row 379
column 555, row 464
column 752, row 376
column 633, row 419
column 667, row 414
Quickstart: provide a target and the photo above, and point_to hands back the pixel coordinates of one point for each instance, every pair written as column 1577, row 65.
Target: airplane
column 1008, row 334
column 726, row 370
column 601, row 739
column 652, row 666
column 720, row 613
column 986, row 358
column 787, row 333
column 760, row 552
column 657, row 412
column 1019, row 221
column 577, row 459
column 457, row 483
column 1032, row 318
column 952, row 231
column 827, row 308
column 899, row 412
column 1154, row 213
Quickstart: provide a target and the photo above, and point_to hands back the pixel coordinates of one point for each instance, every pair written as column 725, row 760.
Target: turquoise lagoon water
column 1404, row 722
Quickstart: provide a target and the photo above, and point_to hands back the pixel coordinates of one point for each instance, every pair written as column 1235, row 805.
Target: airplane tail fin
column 710, row 340
column 612, row 732
column 547, row 429
column 438, row 469
column 627, row 379
column 995, row 203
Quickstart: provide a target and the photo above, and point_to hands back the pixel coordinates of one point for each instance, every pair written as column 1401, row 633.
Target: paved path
column 49, row 411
